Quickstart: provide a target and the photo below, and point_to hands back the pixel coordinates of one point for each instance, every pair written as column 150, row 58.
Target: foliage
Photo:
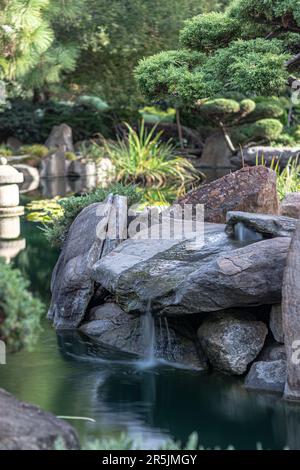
column 20, row 312
column 5, row 151
column 153, row 114
column 36, row 150
column 44, row 210
column 30, row 50
column 254, row 61
column 115, row 35
column 143, row 158
column 58, row 223
column 31, row 122
column 288, row 179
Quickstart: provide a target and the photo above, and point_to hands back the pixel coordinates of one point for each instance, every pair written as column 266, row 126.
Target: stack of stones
column 10, row 211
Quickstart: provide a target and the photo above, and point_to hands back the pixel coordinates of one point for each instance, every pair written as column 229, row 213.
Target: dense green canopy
column 251, row 48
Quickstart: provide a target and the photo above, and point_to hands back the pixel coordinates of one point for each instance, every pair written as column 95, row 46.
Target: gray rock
column 61, row 138
column 267, row 376
column 112, row 326
column 216, row 152
column 265, row 224
column 290, row 206
column 181, row 281
column 27, row 427
column 232, row 341
column 276, row 323
column 272, row 352
column 291, row 318
column 250, row 156
column 54, row 165
column 71, row 285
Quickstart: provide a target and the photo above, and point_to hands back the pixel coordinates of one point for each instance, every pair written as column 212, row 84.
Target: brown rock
column 290, row 206
column 291, row 318
column 251, row 189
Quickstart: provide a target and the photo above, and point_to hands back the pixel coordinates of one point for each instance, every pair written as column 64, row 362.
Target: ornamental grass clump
column 143, row 158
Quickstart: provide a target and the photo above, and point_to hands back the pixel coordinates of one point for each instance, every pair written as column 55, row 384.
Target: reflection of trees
column 37, row 261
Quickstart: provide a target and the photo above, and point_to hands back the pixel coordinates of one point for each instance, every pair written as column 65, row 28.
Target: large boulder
column 54, row 165
column 291, row 318
column 276, row 325
column 216, row 152
column 181, row 281
column 265, row 224
column 110, row 325
column 61, row 138
column 252, row 155
column 269, row 376
column 232, row 341
column 27, row 427
column 290, row 205
column 249, row 189
column 72, row 286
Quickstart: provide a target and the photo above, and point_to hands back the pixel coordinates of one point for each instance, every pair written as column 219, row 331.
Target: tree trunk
column 291, row 318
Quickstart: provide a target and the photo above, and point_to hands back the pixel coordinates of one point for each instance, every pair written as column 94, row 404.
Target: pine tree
column 253, row 48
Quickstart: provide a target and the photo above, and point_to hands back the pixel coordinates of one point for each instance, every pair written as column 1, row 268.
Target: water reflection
column 11, row 244
column 165, row 402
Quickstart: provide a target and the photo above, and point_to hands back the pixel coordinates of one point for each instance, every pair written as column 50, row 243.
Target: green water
column 68, row 375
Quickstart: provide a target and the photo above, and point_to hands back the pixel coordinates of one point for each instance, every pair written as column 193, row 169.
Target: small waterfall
column 168, row 350
column 246, row 234
column 148, row 336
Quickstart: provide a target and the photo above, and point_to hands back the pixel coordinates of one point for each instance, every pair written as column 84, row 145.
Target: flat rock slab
column 249, row 189
column 269, row 376
column 27, row 427
column 232, row 341
column 180, row 281
column 110, row 325
column 265, row 224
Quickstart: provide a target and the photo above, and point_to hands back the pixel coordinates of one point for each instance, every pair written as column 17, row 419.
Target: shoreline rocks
column 232, row 341
column 27, row 427
column 267, row 376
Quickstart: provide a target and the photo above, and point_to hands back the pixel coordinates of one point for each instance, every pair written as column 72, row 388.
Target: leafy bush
column 20, row 312
column 35, row 150
column 57, row 226
column 143, row 158
column 288, row 179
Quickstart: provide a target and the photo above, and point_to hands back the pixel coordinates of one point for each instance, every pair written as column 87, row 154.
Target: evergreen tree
column 253, row 48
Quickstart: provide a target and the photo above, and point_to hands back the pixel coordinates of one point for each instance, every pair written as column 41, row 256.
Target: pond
column 68, row 375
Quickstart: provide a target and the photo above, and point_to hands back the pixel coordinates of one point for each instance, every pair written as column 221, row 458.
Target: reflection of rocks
column 27, row 427
column 232, row 341
column 110, row 325
column 31, row 177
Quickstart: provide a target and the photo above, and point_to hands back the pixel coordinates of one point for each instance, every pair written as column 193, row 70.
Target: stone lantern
column 10, row 211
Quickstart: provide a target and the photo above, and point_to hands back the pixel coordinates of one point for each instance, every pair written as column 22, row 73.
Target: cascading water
column 246, row 234
column 148, row 335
